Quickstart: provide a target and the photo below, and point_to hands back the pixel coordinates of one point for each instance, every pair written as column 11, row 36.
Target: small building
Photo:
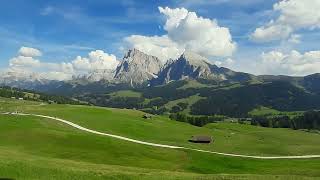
column 20, row 98
column 201, row 139
column 146, row 116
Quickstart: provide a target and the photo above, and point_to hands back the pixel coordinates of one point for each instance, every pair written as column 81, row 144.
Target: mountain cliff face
column 137, row 68
column 188, row 65
column 193, row 66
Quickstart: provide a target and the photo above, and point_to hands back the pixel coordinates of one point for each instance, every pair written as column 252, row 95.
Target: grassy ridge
column 265, row 111
column 129, row 123
column 126, row 93
column 189, row 101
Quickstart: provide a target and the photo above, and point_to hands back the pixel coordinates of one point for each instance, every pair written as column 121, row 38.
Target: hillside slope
column 32, row 147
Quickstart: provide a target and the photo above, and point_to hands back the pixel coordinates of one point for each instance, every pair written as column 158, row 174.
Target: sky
column 59, row 39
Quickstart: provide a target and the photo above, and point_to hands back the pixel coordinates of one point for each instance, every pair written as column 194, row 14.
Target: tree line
column 196, row 120
column 306, row 120
column 9, row 92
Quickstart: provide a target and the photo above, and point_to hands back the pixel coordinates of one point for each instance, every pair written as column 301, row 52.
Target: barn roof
column 201, row 138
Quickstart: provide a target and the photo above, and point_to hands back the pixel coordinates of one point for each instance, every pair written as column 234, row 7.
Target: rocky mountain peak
column 137, row 68
column 188, row 65
column 136, row 56
column 194, row 59
column 132, row 53
column 193, row 66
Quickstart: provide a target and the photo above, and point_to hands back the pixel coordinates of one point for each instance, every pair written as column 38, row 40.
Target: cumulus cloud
column 29, row 52
column 293, row 63
column 22, row 61
column 271, row 32
column 160, row 46
column 186, row 31
column 26, row 63
column 56, row 75
column 198, row 34
column 51, row 71
column 293, row 15
column 96, row 60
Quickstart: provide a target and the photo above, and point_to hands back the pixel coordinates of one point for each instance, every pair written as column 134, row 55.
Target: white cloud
column 295, row 39
column 271, row 32
column 22, row 61
column 81, row 64
column 299, row 14
column 293, row 63
column 56, row 71
column 51, row 71
column 96, row 60
column 174, row 16
column 56, row 75
column 198, row 34
column 293, row 15
column 186, row 31
column 29, row 52
column 226, row 63
column 160, row 46
column 26, row 63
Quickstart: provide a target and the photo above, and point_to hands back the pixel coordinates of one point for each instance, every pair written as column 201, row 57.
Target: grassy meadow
column 37, row 148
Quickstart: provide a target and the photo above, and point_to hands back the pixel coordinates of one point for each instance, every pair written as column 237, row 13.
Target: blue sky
column 64, row 29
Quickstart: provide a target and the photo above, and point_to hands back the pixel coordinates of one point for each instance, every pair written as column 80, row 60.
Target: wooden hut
column 201, row 139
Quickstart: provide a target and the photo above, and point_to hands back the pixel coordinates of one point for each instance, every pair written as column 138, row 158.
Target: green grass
column 25, row 166
column 246, row 138
column 189, row 100
column 236, row 85
column 195, row 84
column 126, row 93
column 160, row 129
column 36, row 148
column 265, row 111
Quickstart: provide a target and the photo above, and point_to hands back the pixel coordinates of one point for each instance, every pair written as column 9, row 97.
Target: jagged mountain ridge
column 193, row 66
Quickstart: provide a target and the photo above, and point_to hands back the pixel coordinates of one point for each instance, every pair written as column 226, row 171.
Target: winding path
column 163, row 145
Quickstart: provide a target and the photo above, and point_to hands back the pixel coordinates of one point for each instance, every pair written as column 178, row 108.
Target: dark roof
column 201, row 138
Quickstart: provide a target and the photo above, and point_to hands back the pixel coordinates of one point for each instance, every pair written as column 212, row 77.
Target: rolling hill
column 33, row 147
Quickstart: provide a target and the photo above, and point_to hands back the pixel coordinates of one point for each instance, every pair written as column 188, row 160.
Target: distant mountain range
column 140, row 69
column 218, row 90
